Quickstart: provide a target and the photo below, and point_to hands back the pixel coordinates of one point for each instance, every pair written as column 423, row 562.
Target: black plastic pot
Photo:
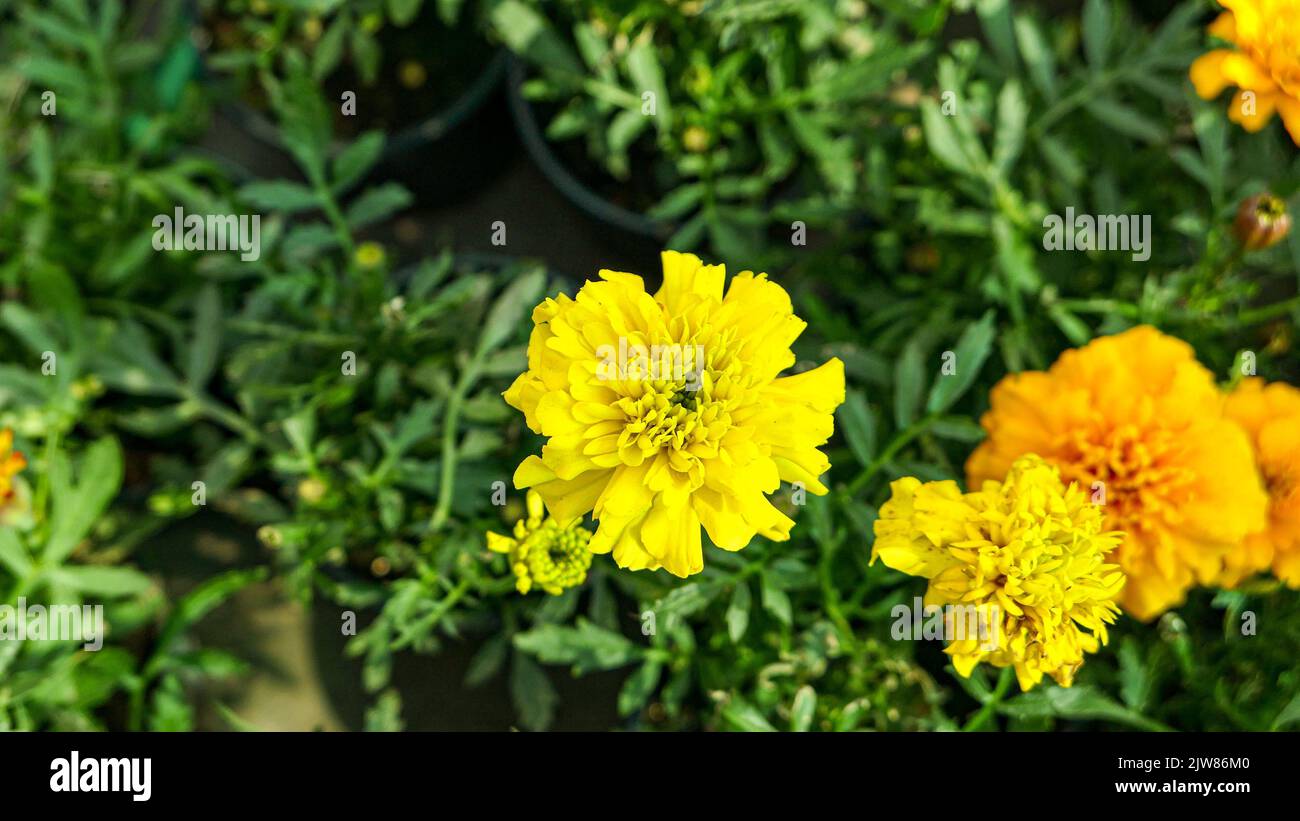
column 441, row 159
column 630, row 230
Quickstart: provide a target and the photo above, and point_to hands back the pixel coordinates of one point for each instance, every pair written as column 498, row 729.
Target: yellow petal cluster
column 1136, row 421
column 544, row 552
column 1270, row 415
column 1027, row 552
column 1263, row 65
column 657, row 452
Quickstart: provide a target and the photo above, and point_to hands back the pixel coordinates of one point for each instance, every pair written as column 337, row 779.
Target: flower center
column 1139, row 476
column 1279, row 482
column 557, row 557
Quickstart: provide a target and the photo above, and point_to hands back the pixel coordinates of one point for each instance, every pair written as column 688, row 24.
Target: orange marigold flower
column 1264, row 66
column 1137, row 422
column 11, row 462
column 1270, row 415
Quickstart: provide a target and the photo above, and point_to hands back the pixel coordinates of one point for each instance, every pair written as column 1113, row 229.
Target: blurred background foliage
column 808, row 138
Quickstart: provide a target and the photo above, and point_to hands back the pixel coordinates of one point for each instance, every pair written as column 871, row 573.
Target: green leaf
column 31, row 330
column 1080, row 702
column 13, row 554
column 957, row 429
column 585, row 646
column 532, row 693
column 402, row 12
column 738, row 611
column 195, row 605
column 648, row 75
column 329, row 50
column 1015, row 257
column 206, row 344
column 776, row 601
column 508, row 314
column 78, row 507
column 745, row 717
column 909, row 382
column 1010, row 138
column 973, row 348
column 487, row 662
column 1135, row 681
column 803, row 709
column 942, row 138
column 1125, row 120
column 1037, row 54
column 385, row 715
column 1096, row 31
column 130, row 365
column 859, row 425
column 279, row 195
column 638, row 688
column 234, row 721
column 353, row 162
column 377, row 204
column 101, row 581
column 528, row 34
column 995, row 17
column 1290, row 713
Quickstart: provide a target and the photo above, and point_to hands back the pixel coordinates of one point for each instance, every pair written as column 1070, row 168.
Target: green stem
column 227, row 418
column 891, row 450
column 450, row 427
column 990, row 707
column 1267, row 312
column 831, row 595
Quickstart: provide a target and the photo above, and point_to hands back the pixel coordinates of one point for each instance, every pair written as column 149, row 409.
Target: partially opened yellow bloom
column 545, row 552
column 1270, row 415
column 666, row 412
column 1028, row 554
column 1264, row 66
column 1137, row 422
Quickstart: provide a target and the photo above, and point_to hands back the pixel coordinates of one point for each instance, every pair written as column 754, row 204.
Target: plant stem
column 990, row 707
column 1266, row 312
column 450, row 425
column 891, row 450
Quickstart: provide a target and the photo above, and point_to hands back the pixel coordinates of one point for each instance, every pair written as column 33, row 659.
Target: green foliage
column 348, row 406
column 736, row 116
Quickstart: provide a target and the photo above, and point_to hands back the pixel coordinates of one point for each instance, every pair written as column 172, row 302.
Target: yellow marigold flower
column 664, row 412
column 1027, row 554
column 11, row 462
column 1137, row 422
column 1270, row 415
column 545, row 552
column 1264, row 66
